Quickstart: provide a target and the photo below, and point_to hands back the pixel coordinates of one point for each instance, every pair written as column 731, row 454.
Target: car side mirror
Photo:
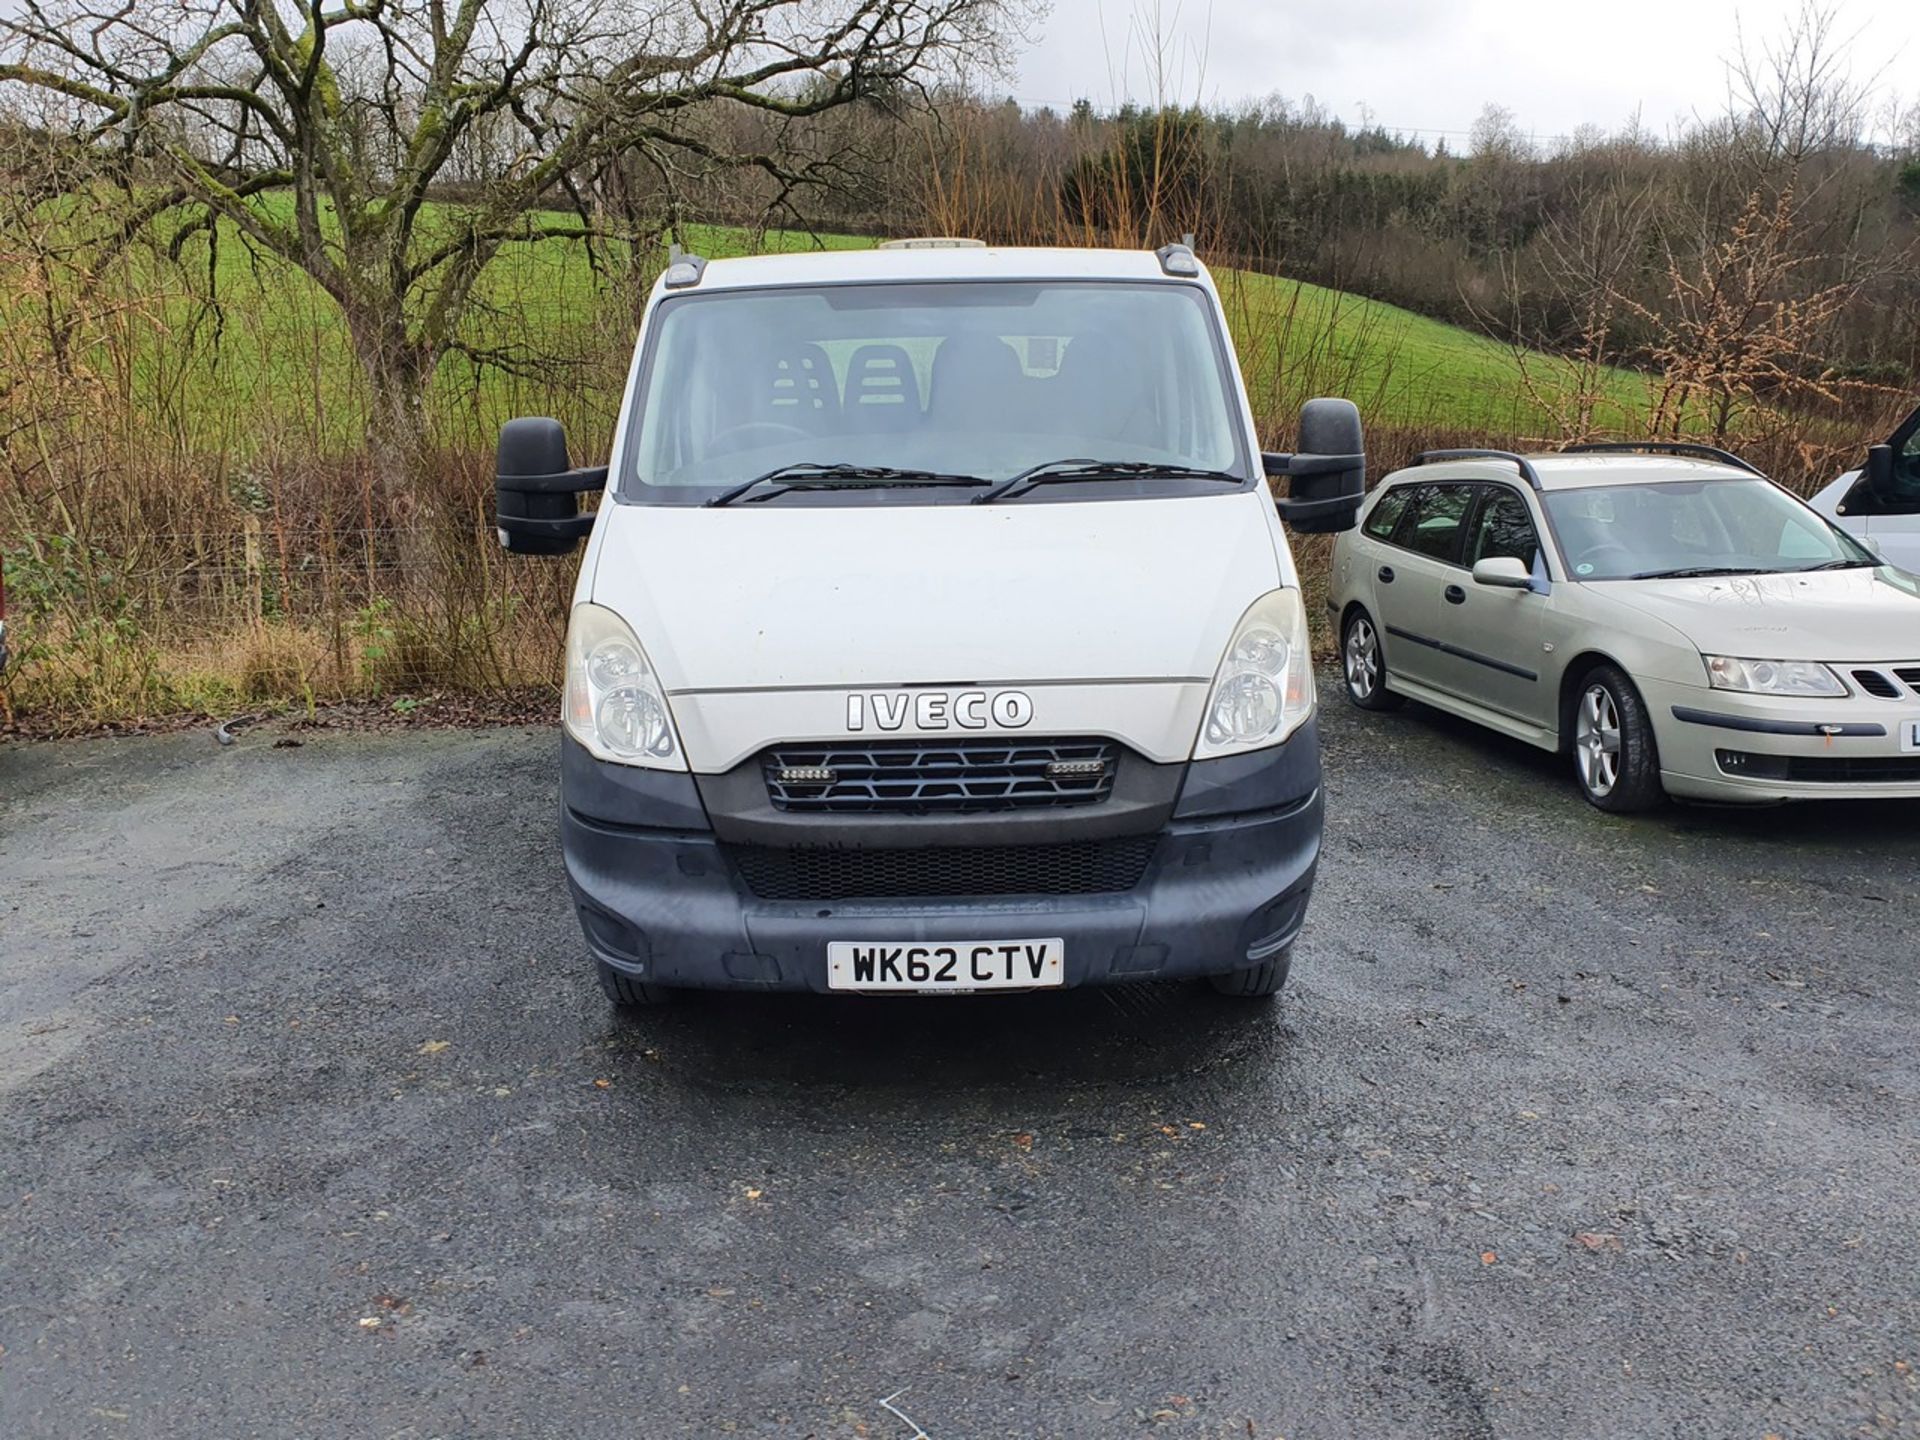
column 1502, row 572
column 1879, row 475
column 1328, row 473
column 535, row 488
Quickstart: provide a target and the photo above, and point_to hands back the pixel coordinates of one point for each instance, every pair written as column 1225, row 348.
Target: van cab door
column 1890, row 521
column 1415, row 575
column 1894, row 524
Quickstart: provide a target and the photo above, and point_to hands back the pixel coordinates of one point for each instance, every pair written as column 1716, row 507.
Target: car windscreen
column 962, row 378
column 1732, row 526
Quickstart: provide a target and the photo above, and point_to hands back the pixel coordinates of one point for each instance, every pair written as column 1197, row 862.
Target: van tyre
column 1363, row 663
column 628, row 991
column 1255, row 982
column 1614, row 755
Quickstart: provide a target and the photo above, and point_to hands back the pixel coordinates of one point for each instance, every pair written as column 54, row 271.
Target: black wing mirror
column 1880, row 477
column 1329, row 472
column 535, row 488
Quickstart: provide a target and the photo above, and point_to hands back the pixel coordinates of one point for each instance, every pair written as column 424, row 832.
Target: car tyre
column 629, row 992
column 1363, row 663
column 1614, row 755
column 1256, row 982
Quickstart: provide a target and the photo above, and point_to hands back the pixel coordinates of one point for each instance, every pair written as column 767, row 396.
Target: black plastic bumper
column 1228, row 884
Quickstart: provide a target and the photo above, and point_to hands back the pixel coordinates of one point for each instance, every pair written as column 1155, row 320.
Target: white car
column 1666, row 616
column 937, row 632
column 1880, row 503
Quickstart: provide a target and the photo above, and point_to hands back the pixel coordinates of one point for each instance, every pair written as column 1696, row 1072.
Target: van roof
column 827, row 267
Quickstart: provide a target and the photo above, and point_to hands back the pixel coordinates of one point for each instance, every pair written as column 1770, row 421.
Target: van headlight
column 614, row 704
column 1772, row 677
column 1263, row 690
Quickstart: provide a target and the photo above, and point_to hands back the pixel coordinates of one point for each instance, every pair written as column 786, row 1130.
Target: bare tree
column 319, row 129
column 1738, row 326
column 1796, row 95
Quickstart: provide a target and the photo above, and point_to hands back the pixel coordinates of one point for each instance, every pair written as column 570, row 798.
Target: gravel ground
column 312, row 1123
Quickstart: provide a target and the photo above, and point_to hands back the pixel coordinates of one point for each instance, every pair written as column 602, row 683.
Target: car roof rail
column 1665, row 447
column 1525, row 465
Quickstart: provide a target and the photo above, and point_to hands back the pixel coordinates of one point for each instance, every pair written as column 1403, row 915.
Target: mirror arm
column 1294, row 511
column 580, row 478
column 1277, row 466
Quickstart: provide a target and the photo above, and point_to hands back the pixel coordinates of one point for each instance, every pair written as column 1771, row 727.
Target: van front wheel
column 627, row 991
column 1255, row 982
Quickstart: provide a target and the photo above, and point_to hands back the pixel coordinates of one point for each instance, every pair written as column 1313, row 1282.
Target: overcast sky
column 1432, row 65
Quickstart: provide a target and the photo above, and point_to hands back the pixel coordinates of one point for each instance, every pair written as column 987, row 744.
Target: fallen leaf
column 603, row 1084
column 434, row 1047
column 1487, row 1257
column 1598, row 1240
column 1023, row 1141
column 369, row 1322
column 753, row 1193
column 1196, row 1124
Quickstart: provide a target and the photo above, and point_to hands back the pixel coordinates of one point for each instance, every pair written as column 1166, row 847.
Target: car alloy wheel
column 1596, row 742
column 1363, row 659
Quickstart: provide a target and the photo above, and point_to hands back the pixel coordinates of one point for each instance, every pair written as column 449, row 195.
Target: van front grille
column 1080, row 867
column 923, row 777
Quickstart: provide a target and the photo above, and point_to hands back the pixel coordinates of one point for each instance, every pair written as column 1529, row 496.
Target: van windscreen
column 969, row 378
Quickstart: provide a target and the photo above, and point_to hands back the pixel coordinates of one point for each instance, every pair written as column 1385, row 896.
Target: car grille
column 918, row 777
column 1823, row 769
column 1881, row 681
column 1080, row 867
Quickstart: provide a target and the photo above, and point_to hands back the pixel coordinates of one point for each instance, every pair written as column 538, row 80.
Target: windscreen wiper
column 1840, row 565
column 1699, row 572
column 1055, row 472
column 820, row 475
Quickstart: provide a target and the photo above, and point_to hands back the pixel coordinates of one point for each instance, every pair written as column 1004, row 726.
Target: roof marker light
column 1179, row 259
column 683, row 269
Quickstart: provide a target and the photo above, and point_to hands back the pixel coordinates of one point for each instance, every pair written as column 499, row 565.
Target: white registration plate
column 1910, row 734
column 946, row 966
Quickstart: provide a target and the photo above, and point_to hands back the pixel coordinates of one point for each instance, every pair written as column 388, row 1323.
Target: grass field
column 235, row 350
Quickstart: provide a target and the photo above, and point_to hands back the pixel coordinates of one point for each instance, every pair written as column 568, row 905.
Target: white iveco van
column 936, row 632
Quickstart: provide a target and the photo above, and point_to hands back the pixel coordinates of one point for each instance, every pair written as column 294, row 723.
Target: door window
column 1906, row 462
column 1434, row 520
column 1387, row 511
column 1502, row 529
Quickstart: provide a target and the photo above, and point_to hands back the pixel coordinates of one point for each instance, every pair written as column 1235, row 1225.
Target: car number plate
column 1910, row 734
column 951, row 966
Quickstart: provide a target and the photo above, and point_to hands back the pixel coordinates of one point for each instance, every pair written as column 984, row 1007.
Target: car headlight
column 1263, row 690
column 614, row 704
column 1772, row 677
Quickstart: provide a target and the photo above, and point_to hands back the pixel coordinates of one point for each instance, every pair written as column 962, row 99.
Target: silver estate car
column 1665, row 615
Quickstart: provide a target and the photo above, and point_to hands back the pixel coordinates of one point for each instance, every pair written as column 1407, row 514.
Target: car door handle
column 1455, row 595
column 1386, row 574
